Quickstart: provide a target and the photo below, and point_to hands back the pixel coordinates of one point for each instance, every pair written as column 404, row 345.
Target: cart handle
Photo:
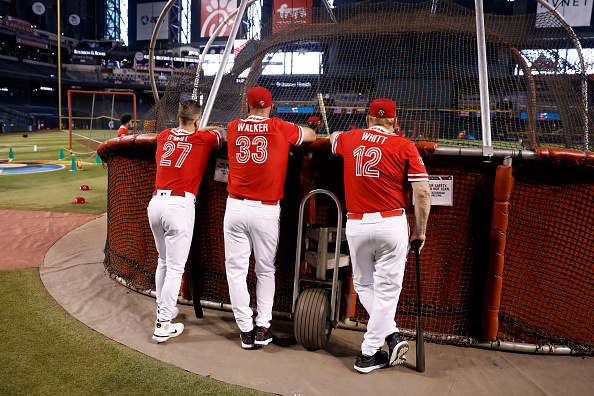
column 333, row 307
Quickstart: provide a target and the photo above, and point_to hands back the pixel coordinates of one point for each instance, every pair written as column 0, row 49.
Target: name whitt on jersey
column 373, row 138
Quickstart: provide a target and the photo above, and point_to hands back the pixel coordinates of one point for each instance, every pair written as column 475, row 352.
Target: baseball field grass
column 44, row 350
column 56, row 190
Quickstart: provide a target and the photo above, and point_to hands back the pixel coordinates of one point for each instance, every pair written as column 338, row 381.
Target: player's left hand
column 415, row 237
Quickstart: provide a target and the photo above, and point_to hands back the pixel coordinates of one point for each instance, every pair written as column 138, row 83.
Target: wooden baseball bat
column 323, row 110
column 416, row 244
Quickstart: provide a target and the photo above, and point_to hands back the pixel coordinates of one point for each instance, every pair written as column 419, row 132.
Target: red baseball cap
column 79, row 200
column 84, row 187
column 382, row 108
column 259, row 97
column 314, row 121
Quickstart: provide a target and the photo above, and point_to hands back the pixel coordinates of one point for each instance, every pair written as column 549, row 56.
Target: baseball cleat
column 166, row 330
column 366, row 364
column 263, row 336
column 175, row 313
column 247, row 339
column 397, row 348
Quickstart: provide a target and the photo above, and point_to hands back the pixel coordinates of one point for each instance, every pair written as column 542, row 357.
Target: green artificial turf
column 45, row 351
column 56, row 190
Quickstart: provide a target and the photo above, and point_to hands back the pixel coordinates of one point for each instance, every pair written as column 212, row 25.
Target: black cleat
column 263, row 336
column 247, row 339
column 397, row 348
column 366, row 364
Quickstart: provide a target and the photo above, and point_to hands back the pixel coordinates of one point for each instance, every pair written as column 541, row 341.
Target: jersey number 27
column 169, row 148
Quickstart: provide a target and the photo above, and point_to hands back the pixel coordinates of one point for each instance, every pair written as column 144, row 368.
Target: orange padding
column 426, row 149
column 589, row 158
column 130, row 141
column 504, row 182
column 564, row 156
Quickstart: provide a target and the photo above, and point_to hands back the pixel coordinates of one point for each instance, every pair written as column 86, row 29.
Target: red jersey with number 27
column 377, row 166
column 182, row 157
column 258, row 155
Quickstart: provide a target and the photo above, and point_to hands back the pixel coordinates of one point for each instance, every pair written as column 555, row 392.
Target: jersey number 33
column 254, row 149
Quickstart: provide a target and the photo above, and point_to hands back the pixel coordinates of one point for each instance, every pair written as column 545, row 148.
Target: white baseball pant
column 172, row 223
column 378, row 248
column 251, row 224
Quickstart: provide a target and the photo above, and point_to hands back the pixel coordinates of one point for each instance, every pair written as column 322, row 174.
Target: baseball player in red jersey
column 258, row 154
column 182, row 154
column 315, row 123
column 126, row 121
column 378, row 164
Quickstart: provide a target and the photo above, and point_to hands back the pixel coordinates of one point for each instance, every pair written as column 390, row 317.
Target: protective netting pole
column 212, row 38
column 219, row 76
column 111, row 116
column 483, row 78
column 91, row 126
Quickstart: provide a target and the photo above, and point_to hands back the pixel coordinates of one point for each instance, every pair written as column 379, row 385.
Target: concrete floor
column 74, row 275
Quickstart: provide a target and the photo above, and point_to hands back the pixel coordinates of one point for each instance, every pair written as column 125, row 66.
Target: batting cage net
column 423, row 56
column 94, row 117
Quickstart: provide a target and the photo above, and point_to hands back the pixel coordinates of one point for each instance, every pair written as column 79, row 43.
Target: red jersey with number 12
column 258, row 155
column 377, row 165
column 182, row 157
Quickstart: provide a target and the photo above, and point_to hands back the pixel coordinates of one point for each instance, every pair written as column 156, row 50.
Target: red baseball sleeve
column 293, row 133
column 416, row 167
column 219, row 139
column 337, row 145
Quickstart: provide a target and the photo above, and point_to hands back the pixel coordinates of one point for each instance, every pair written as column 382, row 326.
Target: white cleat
column 166, row 330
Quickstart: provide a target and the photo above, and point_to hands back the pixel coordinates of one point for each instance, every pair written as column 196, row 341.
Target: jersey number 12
column 366, row 167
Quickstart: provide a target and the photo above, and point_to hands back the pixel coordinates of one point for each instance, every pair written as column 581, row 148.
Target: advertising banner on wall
column 212, row 13
column 287, row 12
column 32, row 43
column 18, row 25
column 575, row 12
column 147, row 15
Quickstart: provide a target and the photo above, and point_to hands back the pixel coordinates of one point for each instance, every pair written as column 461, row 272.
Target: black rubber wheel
column 312, row 318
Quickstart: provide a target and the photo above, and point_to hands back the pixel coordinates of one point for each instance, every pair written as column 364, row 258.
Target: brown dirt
column 26, row 236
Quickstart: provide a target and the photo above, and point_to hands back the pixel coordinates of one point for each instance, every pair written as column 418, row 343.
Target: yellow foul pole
column 59, row 68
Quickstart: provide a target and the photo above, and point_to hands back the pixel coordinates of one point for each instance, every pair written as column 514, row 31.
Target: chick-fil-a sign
column 213, row 12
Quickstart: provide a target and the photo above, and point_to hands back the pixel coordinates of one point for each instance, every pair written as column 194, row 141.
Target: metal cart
column 316, row 299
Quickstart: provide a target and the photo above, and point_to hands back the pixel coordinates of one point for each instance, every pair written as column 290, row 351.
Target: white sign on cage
column 575, row 12
column 442, row 190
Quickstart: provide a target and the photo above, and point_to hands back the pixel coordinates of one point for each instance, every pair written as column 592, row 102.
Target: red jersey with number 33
column 377, row 166
column 258, row 155
column 182, row 157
